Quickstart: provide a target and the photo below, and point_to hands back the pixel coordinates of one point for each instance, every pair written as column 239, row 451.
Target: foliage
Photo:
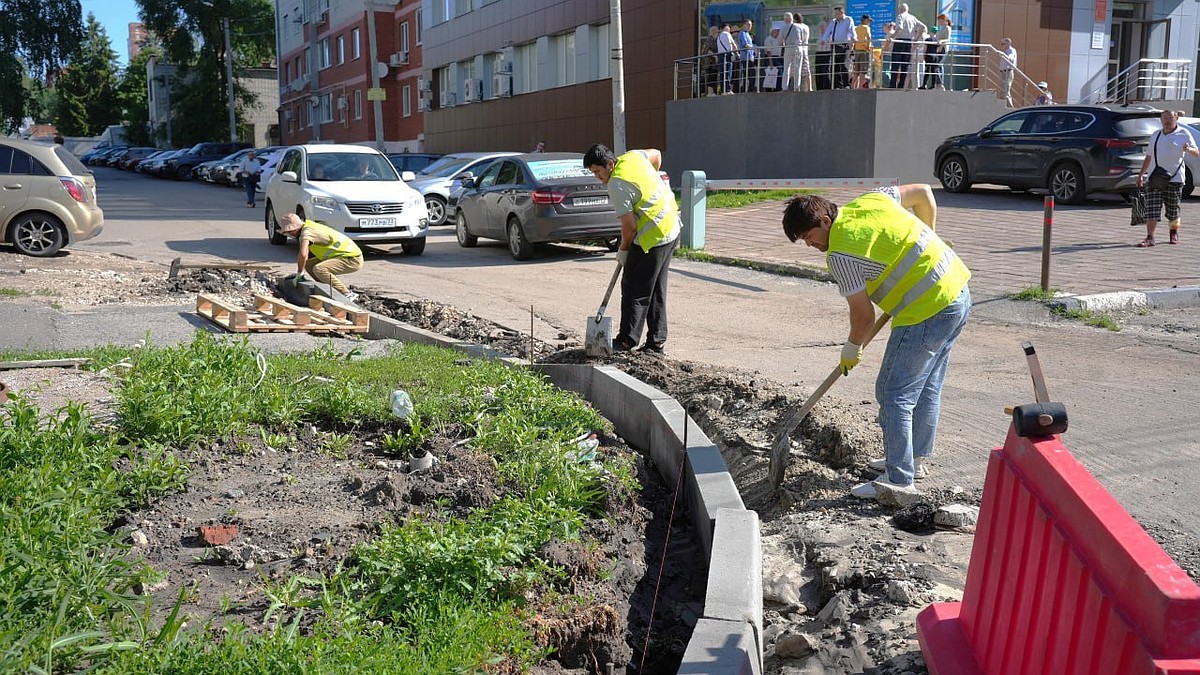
column 1088, row 317
column 87, row 88
column 133, row 95
column 1034, row 293
column 36, row 36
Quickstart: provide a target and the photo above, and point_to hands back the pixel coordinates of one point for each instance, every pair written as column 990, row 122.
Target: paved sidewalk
column 999, row 235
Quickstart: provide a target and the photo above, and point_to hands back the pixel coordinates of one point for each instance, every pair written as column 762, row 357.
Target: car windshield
column 350, row 166
column 558, row 169
column 195, row 149
column 1136, row 126
column 445, row 167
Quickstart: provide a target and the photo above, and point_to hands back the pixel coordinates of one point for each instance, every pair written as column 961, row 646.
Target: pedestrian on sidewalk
column 1165, row 185
column 650, row 228
column 880, row 254
column 249, row 169
column 797, row 76
column 324, row 252
column 1008, row 67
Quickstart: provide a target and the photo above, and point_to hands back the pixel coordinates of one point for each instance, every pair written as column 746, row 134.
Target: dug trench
column 842, row 579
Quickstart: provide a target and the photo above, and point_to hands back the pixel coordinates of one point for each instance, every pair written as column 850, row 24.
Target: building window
column 418, row 21
column 358, row 104
column 564, row 56
column 299, row 72
column 355, row 45
column 445, row 86
column 404, row 36
column 308, row 62
column 341, row 49
column 406, row 95
column 603, row 53
column 287, row 73
column 323, row 54
column 525, row 68
column 325, row 108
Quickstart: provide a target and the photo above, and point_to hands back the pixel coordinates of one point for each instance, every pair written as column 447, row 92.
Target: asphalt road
column 1132, row 395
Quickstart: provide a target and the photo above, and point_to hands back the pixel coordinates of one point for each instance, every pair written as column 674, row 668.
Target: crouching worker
column 324, row 252
column 880, row 254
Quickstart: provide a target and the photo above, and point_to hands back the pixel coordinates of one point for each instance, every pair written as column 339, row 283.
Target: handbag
column 1137, row 207
column 1160, row 178
column 770, row 77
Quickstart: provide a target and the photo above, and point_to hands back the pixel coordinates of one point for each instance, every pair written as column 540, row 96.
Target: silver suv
column 351, row 188
column 48, row 200
column 436, row 181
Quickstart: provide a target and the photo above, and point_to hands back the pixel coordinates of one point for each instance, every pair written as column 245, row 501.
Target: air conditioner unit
column 501, row 65
column 424, row 85
column 398, row 59
column 468, row 90
column 323, row 18
column 446, row 100
column 341, row 104
column 501, row 85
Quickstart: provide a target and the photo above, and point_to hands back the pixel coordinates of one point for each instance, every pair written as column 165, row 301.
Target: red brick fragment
column 217, row 535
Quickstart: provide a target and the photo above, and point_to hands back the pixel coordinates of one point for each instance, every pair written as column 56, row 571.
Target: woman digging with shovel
column 880, row 254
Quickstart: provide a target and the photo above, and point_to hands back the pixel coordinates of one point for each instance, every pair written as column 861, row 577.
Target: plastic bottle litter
column 402, row 405
column 585, row 448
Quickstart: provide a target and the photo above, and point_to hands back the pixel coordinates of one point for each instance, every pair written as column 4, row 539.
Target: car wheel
column 273, row 234
column 38, row 234
column 1188, row 186
column 414, row 247
column 954, row 174
column 437, row 209
column 518, row 245
column 464, row 236
column 1067, row 183
column 183, row 173
column 612, row 243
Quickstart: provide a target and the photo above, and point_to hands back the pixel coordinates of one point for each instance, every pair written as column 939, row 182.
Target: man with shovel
column 324, row 252
column 650, row 227
column 880, row 254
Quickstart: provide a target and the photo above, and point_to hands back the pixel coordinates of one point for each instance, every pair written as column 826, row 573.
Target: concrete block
column 1172, row 298
column 626, row 401
column 568, row 376
column 735, row 571
column 666, row 437
column 721, row 648
column 709, row 488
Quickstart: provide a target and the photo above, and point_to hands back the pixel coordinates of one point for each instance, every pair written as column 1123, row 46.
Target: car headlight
column 325, row 203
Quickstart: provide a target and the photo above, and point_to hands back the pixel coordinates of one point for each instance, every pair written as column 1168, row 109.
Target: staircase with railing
column 1147, row 80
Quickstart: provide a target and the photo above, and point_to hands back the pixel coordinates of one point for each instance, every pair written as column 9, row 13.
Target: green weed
column 1036, row 293
column 1088, row 317
column 13, row 293
column 732, row 199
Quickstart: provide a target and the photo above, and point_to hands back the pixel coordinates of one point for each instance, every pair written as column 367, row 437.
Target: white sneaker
column 864, row 490
column 920, row 471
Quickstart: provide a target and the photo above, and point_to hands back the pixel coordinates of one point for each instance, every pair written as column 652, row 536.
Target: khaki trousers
column 326, row 271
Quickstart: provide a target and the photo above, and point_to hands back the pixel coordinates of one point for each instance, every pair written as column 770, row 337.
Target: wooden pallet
column 271, row 315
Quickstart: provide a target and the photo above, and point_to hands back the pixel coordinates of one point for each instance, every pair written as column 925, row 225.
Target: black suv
column 1070, row 150
column 180, row 167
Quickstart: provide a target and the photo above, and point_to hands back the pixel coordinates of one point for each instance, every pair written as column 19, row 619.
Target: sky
column 115, row 16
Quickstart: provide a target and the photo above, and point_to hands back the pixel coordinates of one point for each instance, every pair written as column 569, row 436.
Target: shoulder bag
column 1160, row 178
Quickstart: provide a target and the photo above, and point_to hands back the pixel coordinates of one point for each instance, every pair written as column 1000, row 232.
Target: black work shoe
column 652, row 347
column 621, row 344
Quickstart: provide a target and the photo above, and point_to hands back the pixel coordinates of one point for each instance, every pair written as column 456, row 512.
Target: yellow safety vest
column 921, row 275
column 339, row 246
column 657, row 215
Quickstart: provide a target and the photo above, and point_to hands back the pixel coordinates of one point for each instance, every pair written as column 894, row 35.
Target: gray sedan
column 529, row 199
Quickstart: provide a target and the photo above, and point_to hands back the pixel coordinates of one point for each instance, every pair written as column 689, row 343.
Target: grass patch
column 799, row 271
column 13, row 293
column 1048, row 296
column 732, row 199
column 434, row 593
column 1035, row 293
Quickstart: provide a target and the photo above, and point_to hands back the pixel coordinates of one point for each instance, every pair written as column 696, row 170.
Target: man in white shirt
column 1167, row 150
column 1008, row 64
column 248, row 170
column 725, row 51
column 840, row 34
column 794, row 38
column 909, row 29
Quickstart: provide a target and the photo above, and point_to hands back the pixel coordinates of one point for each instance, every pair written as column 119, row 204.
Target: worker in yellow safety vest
column 324, row 252
column 880, row 254
column 650, row 227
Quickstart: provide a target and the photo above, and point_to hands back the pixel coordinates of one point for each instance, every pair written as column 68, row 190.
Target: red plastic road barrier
column 1062, row 581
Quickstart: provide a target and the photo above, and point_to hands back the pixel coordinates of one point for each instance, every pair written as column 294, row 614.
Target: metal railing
column 963, row 67
column 1147, row 80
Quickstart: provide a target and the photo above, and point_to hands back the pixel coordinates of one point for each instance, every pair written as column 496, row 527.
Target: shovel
column 599, row 336
column 783, row 444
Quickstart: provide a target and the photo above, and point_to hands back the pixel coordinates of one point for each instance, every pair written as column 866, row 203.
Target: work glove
column 622, row 256
column 296, row 280
column 851, row 355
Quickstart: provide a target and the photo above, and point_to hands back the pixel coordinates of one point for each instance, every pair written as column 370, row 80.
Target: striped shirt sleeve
column 852, row 272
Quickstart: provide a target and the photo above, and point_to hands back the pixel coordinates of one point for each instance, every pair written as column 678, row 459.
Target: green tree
column 87, row 89
column 133, row 94
column 192, row 36
column 36, row 36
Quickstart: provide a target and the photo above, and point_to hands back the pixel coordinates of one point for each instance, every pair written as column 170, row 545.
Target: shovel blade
column 599, row 337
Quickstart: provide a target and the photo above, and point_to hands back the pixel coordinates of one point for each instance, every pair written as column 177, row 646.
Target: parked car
column 269, row 163
column 328, row 184
column 528, row 199
column 92, row 157
column 181, row 166
column 106, row 158
column 228, row 172
column 412, row 161
column 215, row 170
column 1191, row 164
column 435, row 181
column 1070, row 150
column 158, row 165
column 133, row 155
column 49, row 198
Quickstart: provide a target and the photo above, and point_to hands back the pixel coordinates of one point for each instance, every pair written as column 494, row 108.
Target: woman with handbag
column 1165, row 185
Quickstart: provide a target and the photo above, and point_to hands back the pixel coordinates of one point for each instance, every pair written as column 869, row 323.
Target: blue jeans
column 909, row 387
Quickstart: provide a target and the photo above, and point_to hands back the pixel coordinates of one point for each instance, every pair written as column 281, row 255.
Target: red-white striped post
column 1047, row 225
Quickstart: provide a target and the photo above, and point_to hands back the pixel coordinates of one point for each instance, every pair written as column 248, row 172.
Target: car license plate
column 590, row 201
column 377, row 222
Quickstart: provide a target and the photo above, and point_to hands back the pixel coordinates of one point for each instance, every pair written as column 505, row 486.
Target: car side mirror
column 407, row 176
column 986, row 133
column 468, row 182
column 289, row 177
